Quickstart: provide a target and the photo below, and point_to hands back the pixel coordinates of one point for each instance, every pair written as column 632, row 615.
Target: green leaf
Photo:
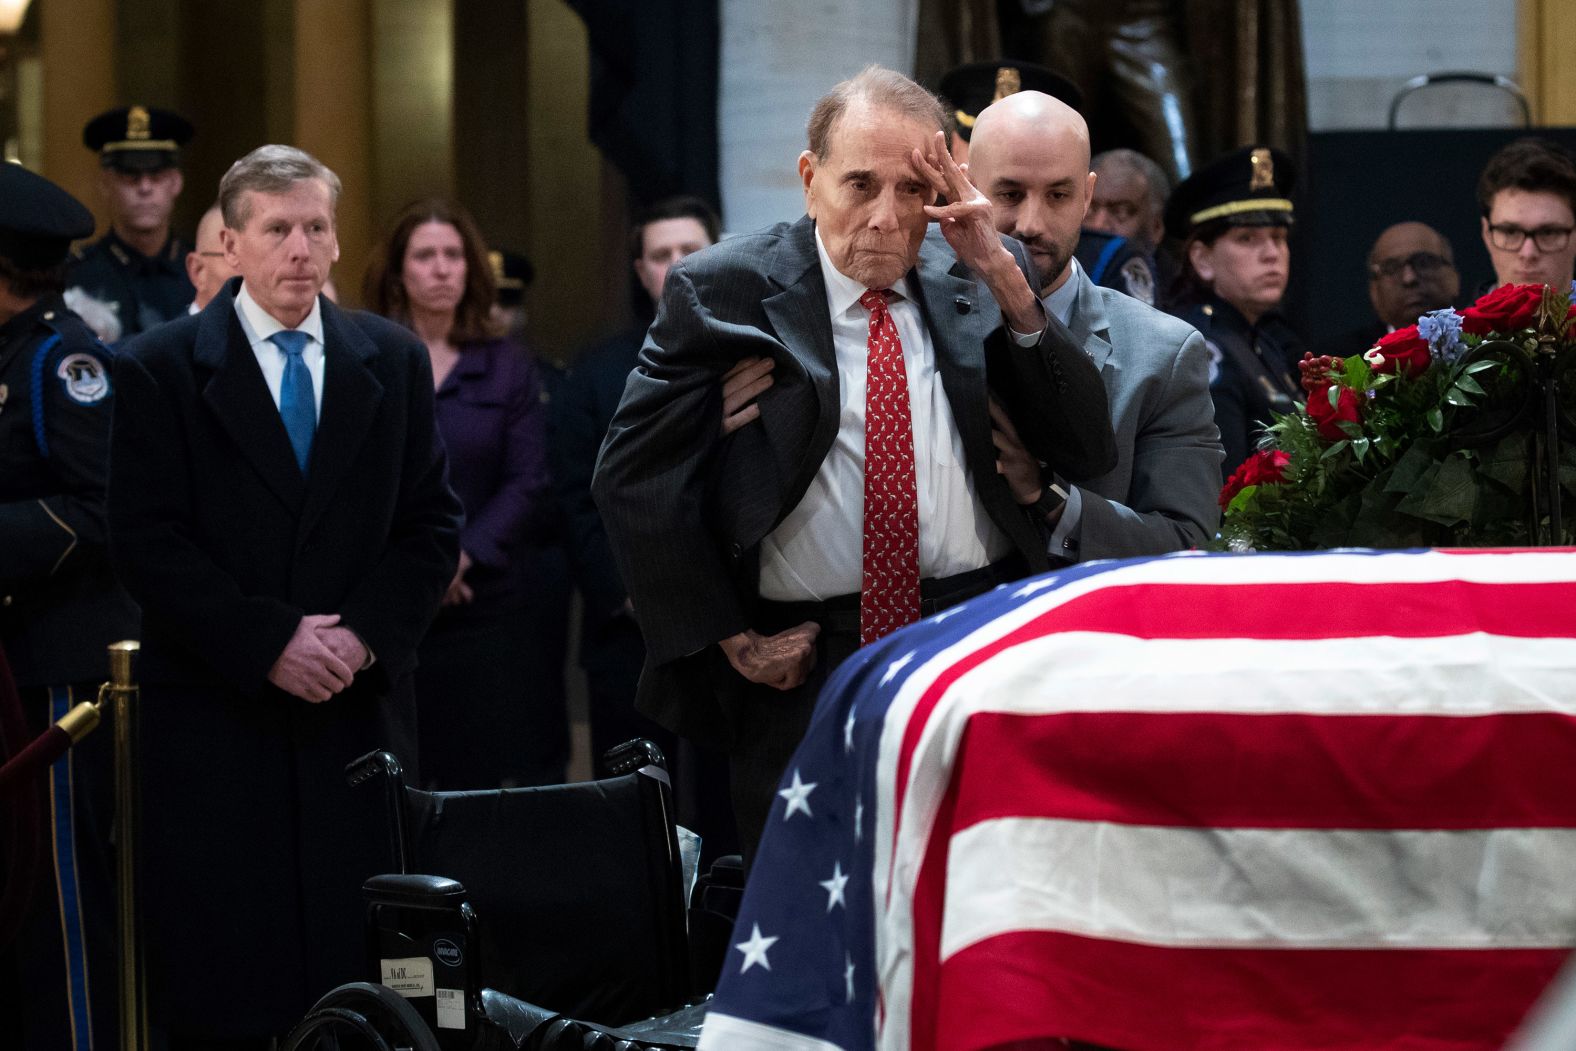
column 1479, row 366
column 1335, row 449
column 1360, row 448
column 1242, row 500
column 1436, row 420
column 1468, row 384
column 1453, row 396
column 1447, row 495
column 1407, row 475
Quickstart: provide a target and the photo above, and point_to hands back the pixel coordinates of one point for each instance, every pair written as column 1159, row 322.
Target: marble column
column 77, row 52
column 777, row 59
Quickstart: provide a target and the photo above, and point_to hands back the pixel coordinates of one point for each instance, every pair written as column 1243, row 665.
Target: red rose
column 1504, row 310
column 1267, row 467
column 1329, row 419
column 1403, row 347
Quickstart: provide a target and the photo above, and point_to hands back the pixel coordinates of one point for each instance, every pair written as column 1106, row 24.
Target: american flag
column 1304, row 801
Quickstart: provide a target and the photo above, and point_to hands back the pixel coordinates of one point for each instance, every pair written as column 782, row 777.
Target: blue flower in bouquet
column 1442, row 329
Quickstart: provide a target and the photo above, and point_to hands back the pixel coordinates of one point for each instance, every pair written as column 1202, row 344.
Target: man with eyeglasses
column 1411, row 270
column 1527, row 193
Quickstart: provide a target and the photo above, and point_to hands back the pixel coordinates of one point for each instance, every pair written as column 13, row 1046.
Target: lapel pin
column 963, row 305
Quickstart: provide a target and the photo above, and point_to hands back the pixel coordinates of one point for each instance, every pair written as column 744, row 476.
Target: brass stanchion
column 121, row 693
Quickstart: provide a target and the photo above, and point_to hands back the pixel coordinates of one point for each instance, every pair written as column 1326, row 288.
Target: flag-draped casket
column 1205, row 801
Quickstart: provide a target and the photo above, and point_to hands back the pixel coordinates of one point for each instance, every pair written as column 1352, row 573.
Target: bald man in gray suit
column 1030, row 157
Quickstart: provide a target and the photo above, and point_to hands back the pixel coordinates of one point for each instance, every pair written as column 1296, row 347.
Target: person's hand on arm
column 741, row 385
column 966, row 223
column 459, row 592
column 308, row 668
column 1016, row 464
column 781, row 661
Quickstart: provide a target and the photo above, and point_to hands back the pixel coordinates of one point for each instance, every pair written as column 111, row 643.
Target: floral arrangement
column 1437, row 436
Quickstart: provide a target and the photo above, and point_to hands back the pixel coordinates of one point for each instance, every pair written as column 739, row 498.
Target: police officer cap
column 137, row 138
column 38, row 220
column 512, row 273
column 1247, row 187
column 969, row 89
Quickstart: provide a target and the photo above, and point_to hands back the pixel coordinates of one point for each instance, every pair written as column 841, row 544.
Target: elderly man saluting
column 882, row 480
column 278, row 506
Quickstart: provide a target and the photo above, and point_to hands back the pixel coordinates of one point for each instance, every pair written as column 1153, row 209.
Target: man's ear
column 1088, row 195
column 228, row 242
column 193, row 266
column 180, row 182
column 807, row 176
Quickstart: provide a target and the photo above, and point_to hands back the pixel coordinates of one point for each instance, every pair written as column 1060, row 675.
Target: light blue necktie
column 297, row 406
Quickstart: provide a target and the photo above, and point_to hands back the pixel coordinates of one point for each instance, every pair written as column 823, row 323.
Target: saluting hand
column 307, row 668
column 968, row 224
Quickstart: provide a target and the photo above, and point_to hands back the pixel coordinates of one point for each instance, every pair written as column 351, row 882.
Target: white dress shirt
column 817, row 552
column 259, row 324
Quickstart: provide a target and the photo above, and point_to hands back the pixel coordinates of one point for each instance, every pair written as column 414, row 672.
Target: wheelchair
column 521, row 915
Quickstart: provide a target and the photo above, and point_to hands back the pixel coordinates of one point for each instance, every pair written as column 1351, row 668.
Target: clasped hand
column 781, row 661
column 320, row 659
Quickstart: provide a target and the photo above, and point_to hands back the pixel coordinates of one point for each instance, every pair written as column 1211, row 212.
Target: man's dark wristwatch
column 1052, row 498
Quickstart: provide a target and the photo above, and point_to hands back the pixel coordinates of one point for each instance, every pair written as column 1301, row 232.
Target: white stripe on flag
column 1472, row 674
column 727, row 1033
column 1262, row 888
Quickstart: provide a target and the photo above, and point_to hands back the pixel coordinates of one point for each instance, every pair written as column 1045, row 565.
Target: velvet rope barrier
column 21, row 824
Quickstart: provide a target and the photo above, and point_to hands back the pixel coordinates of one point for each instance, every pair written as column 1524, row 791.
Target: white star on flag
column 848, row 732
column 834, row 887
column 896, row 666
column 1038, row 585
column 848, row 975
column 754, row 950
column 859, row 818
column 944, row 614
column 798, row 796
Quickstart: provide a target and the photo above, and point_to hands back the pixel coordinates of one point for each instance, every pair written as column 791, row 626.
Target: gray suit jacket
column 685, row 510
column 1162, row 494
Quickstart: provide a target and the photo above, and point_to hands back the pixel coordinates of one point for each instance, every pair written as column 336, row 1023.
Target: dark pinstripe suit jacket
column 686, row 510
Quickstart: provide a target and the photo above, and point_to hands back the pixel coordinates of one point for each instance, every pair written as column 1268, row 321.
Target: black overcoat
column 254, row 848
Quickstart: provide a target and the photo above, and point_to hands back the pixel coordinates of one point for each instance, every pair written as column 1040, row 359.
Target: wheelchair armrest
column 414, row 891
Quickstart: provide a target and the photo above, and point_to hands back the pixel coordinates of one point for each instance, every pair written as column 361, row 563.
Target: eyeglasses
column 1424, row 264
column 1548, row 238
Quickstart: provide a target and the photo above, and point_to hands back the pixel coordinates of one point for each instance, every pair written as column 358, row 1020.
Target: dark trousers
column 64, row 965
column 490, row 703
column 612, row 653
column 770, row 723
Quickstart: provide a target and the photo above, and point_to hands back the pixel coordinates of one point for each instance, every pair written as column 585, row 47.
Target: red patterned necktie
column 889, row 597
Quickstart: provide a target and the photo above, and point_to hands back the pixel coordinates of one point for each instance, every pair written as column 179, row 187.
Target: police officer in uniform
column 134, row 277
column 1233, row 217
column 1112, row 261
column 59, row 607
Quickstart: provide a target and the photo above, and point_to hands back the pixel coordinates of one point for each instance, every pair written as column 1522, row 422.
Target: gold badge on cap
column 136, row 123
column 1263, row 170
column 1008, row 82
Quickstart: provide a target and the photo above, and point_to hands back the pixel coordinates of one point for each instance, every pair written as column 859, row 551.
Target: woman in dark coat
column 489, row 711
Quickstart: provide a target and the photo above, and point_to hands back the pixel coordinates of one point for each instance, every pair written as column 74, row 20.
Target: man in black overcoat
column 279, row 507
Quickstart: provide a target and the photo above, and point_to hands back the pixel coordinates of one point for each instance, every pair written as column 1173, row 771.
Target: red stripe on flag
column 1270, row 771
column 1134, row 997
column 1275, row 611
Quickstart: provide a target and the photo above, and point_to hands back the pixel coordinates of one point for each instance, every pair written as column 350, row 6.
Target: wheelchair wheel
column 375, row 1016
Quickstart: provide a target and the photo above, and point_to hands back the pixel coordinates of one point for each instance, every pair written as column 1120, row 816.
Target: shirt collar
column 1060, row 302
column 842, row 291
column 259, row 324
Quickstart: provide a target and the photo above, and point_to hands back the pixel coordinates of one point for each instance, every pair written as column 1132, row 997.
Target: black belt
column 841, row 612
